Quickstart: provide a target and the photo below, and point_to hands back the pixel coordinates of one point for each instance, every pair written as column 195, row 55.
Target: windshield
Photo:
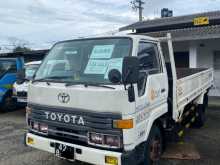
column 85, row 61
column 7, row 66
column 30, row 71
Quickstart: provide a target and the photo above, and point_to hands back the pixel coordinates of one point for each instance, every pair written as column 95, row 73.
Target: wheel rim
column 155, row 149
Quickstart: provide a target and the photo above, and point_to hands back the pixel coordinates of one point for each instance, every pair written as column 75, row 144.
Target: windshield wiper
column 40, row 80
column 89, row 84
column 49, row 79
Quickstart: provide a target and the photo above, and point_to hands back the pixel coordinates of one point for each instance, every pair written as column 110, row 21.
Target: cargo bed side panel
column 190, row 87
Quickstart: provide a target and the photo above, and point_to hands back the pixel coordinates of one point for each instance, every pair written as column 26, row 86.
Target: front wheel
column 153, row 146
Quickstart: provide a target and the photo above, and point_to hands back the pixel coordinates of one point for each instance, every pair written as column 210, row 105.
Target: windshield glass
column 85, row 61
column 30, row 70
column 7, row 66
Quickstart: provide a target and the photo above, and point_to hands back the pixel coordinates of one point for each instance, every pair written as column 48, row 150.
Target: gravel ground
column 13, row 152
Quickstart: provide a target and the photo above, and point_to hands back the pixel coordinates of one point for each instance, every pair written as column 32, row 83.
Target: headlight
column 43, row 128
column 36, row 126
column 104, row 140
column 96, row 138
column 39, row 127
column 112, row 140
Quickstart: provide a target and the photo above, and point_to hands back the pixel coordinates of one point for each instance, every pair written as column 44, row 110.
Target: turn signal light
column 30, row 140
column 123, row 124
column 111, row 160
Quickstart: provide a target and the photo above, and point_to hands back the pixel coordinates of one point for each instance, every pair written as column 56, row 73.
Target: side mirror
column 20, row 76
column 114, row 76
column 130, row 70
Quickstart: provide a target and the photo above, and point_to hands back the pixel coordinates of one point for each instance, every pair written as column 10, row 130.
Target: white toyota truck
column 113, row 100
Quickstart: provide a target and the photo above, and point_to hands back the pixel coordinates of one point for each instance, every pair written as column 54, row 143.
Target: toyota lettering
column 65, row 118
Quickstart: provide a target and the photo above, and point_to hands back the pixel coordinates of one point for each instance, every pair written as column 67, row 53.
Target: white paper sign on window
column 96, row 67
column 115, row 63
column 102, row 51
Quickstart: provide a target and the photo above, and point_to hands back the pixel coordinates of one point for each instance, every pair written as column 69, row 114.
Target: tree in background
column 18, row 45
column 21, row 49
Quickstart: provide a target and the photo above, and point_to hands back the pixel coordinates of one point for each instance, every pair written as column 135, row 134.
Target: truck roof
column 133, row 36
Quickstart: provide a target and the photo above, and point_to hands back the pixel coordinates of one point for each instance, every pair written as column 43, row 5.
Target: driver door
column 152, row 87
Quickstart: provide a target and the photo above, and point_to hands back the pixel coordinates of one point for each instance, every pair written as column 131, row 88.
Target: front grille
column 22, row 94
column 70, row 132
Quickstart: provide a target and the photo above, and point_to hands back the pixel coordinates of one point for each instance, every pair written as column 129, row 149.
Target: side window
column 149, row 64
column 148, row 56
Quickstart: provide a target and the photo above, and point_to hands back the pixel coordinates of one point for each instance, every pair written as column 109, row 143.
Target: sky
column 40, row 23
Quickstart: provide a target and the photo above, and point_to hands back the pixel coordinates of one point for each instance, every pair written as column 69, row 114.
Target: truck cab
column 8, row 70
column 110, row 102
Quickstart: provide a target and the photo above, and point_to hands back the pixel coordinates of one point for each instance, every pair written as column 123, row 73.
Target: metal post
column 138, row 5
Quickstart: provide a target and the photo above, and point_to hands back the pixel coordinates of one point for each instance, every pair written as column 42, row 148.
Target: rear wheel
column 200, row 114
column 200, row 117
column 153, row 146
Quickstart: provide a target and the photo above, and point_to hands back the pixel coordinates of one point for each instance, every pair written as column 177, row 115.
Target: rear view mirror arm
column 126, row 76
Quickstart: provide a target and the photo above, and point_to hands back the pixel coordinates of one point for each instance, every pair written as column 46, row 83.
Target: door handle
column 163, row 90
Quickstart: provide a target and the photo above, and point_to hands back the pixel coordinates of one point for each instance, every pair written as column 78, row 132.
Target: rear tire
column 200, row 117
column 153, row 146
column 200, row 114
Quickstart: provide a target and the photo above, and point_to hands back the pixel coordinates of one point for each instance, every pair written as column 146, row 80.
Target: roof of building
column 169, row 21
column 28, row 56
column 207, row 32
column 182, row 28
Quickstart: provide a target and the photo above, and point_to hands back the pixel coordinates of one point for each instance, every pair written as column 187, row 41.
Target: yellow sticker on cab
column 201, row 21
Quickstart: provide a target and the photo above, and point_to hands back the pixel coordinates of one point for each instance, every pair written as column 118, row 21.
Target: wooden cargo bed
column 184, row 72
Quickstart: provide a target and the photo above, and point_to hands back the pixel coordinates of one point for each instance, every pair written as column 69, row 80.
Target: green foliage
column 21, row 49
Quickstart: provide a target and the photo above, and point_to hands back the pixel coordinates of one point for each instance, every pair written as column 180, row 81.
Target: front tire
column 153, row 146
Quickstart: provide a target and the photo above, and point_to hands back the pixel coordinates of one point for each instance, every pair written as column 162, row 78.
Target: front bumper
column 22, row 100
column 88, row 155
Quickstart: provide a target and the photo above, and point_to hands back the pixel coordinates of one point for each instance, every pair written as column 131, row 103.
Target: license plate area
column 65, row 152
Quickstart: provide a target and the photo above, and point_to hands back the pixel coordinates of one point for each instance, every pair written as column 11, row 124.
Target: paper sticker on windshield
column 69, row 52
column 96, row 67
column 102, row 51
column 115, row 63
